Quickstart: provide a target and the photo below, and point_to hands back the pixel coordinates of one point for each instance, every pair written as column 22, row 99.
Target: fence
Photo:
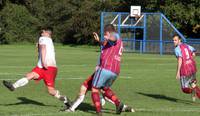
column 151, row 33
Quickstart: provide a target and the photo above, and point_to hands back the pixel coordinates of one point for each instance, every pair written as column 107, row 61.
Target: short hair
column 49, row 29
column 176, row 35
column 109, row 28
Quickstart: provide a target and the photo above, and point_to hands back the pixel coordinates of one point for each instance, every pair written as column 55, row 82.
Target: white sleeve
column 42, row 41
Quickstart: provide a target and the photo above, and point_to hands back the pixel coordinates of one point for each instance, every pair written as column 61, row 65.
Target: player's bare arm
column 96, row 37
column 179, row 63
column 43, row 53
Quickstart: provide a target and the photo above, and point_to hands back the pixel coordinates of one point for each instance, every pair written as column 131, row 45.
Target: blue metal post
column 132, row 36
column 102, row 25
column 119, row 24
column 144, row 32
column 134, row 39
column 161, row 39
column 184, row 39
column 141, row 41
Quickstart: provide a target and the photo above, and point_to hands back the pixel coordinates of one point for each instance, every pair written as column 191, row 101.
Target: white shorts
column 187, row 81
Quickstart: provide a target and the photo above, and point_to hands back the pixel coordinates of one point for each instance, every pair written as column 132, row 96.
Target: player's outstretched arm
column 96, row 37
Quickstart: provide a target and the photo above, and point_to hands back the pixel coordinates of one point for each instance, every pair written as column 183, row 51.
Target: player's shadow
column 85, row 107
column 24, row 100
column 171, row 99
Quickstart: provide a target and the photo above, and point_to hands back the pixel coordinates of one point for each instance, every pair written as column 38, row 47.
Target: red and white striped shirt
column 111, row 56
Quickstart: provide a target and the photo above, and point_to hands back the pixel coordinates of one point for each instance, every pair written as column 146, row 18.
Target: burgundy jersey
column 111, row 56
column 188, row 66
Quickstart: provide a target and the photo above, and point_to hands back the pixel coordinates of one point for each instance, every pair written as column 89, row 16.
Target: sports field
column 147, row 82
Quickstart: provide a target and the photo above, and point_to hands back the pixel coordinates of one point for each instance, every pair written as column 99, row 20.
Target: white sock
column 21, row 82
column 60, row 97
column 78, row 101
column 107, row 99
column 57, row 95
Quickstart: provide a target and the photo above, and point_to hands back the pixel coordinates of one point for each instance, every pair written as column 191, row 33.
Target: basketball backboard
column 135, row 11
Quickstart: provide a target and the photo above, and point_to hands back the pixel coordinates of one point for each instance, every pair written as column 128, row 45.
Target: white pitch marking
column 68, row 78
column 14, row 66
column 169, row 110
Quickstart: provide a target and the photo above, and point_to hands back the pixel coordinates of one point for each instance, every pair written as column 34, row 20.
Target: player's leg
column 185, row 85
column 103, row 79
column 104, row 99
column 193, row 84
column 96, row 100
column 56, row 93
column 83, row 90
column 188, row 86
column 97, row 83
column 21, row 82
column 109, row 93
column 79, row 99
column 49, row 80
column 111, row 97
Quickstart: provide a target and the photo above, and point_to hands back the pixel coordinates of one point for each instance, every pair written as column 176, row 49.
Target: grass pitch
column 147, row 82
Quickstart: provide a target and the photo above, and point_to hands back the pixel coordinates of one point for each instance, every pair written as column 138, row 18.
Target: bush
column 17, row 24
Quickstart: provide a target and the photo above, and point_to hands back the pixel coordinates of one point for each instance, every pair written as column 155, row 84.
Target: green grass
column 147, row 82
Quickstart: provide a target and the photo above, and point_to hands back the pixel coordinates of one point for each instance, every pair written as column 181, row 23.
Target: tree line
column 74, row 21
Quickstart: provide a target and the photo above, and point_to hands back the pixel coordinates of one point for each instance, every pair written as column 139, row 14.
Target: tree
column 74, row 20
column 85, row 20
column 17, row 24
column 185, row 15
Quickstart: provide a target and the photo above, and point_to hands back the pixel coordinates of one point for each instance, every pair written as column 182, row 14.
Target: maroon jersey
column 188, row 66
column 111, row 56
